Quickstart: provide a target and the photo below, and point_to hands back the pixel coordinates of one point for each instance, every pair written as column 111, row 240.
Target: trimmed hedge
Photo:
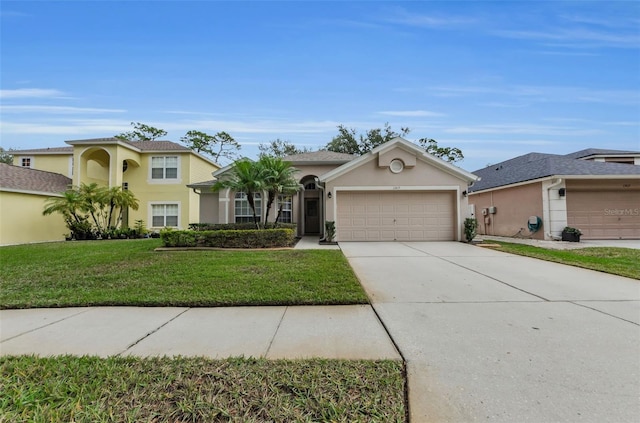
column 236, row 226
column 263, row 238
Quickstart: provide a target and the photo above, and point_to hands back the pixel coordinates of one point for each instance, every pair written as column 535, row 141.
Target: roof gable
column 407, row 146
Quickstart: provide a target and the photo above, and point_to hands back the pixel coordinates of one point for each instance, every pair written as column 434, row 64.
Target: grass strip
column 131, row 273
column 617, row 261
column 178, row 389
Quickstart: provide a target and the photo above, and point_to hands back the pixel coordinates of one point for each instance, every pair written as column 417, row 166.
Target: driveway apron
column 490, row 336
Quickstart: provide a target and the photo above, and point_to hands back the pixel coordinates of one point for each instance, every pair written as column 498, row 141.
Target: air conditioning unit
column 493, row 210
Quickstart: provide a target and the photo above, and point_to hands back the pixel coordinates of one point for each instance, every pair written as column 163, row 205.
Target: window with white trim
column 164, row 215
column 286, row 215
column 25, row 162
column 164, row 167
column 243, row 212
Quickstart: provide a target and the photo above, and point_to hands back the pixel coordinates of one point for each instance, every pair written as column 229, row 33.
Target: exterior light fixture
column 329, row 194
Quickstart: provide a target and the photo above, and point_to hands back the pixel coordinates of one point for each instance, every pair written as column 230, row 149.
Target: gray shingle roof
column 141, row 145
column 25, row 179
column 204, row 184
column 320, row 156
column 598, row 151
column 51, row 150
column 539, row 165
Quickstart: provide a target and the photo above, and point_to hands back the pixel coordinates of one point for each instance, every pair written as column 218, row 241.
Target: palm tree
column 120, row 199
column 69, row 205
column 278, row 180
column 245, row 176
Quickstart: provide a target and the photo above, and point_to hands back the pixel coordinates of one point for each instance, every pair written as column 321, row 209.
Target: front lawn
column 130, row 272
column 617, row 261
column 128, row 389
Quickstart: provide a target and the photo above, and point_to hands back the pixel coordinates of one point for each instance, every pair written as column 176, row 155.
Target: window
column 164, row 167
column 243, row 210
column 25, row 162
column 285, row 202
column 164, row 215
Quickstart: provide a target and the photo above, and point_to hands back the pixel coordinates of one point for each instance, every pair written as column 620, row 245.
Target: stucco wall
column 21, row 220
column 57, row 163
column 513, row 205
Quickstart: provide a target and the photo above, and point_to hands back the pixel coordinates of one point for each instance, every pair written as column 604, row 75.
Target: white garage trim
column 424, row 188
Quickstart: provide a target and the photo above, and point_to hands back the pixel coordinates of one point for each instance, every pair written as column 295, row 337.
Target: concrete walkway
column 490, row 336
column 564, row 245
column 350, row 332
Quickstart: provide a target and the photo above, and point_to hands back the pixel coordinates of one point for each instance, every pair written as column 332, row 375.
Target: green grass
column 117, row 389
column 617, row 261
column 130, row 272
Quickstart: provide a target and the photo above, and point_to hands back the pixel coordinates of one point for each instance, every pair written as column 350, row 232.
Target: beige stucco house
column 395, row 192
column 156, row 172
column 594, row 190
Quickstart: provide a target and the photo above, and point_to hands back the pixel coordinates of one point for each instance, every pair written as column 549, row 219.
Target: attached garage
column 396, row 215
column 604, row 214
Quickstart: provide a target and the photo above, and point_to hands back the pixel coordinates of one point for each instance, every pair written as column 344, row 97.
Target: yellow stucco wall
column 57, row 163
column 22, row 222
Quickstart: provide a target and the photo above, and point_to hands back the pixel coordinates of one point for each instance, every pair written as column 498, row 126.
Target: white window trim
column 31, row 159
column 158, row 203
column 258, row 212
column 290, row 209
column 165, row 181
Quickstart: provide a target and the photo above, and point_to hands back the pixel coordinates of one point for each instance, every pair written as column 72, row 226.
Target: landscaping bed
column 128, row 389
column 262, row 238
column 130, row 272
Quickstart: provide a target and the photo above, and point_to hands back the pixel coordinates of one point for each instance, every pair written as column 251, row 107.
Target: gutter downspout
column 322, row 206
column 547, row 211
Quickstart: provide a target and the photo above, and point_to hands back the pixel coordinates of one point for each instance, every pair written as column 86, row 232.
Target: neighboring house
column 156, row 172
column 23, row 193
column 395, row 192
column 594, row 190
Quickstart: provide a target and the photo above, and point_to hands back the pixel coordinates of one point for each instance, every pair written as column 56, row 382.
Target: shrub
column 237, row 226
column 470, row 227
column 263, row 238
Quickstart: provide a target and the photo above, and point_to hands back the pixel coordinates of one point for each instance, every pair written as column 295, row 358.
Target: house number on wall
column 396, row 187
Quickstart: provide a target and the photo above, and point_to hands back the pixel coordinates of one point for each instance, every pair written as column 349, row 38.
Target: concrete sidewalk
column 348, row 332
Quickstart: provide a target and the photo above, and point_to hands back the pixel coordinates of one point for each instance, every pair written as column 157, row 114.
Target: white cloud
column 31, row 93
column 411, row 113
column 55, row 109
column 522, row 129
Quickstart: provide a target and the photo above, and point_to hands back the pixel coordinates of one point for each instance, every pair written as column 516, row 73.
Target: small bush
column 237, row 226
column 264, row 238
column 470, row 228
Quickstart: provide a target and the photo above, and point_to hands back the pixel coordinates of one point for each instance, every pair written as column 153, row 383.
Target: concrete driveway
column 490, row 336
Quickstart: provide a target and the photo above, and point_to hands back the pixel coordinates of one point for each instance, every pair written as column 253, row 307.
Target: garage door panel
column 612, row 214
column 388, row 216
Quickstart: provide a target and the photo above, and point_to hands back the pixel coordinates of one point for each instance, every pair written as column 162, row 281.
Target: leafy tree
column 6, row 156
column 218, row 146
column 348, row 141
column 245, row 176
column 278, row 177
column 449, row 154
column 142, row 132
column 280, row 148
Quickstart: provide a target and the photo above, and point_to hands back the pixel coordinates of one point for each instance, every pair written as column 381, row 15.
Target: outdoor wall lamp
column 329, row 194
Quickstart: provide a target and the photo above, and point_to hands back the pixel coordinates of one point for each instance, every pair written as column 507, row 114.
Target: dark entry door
column 311, row 216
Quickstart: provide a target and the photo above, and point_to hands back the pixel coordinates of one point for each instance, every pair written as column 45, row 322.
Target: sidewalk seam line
column 275, row 333
column 148, row 334
column 48, row 324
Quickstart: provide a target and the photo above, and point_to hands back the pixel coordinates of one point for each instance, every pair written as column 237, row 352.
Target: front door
column 311, row 216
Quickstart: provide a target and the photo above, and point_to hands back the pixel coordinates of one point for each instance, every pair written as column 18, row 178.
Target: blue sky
column 496, row 79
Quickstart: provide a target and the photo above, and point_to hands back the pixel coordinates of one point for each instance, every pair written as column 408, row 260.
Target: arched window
column 243, row 212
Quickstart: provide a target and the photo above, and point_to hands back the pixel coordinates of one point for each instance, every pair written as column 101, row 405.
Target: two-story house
column 156, row 172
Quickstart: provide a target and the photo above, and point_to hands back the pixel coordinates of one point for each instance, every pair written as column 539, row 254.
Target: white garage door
column 605, row 214
column 395, row 216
